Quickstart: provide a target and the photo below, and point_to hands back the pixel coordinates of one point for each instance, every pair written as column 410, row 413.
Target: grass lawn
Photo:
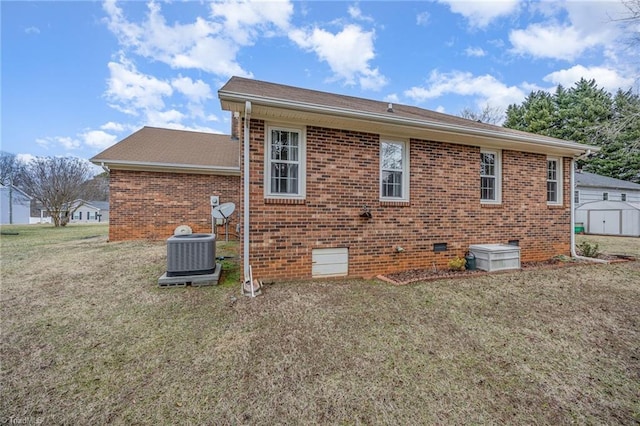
column 613, row 245
column 89, row 338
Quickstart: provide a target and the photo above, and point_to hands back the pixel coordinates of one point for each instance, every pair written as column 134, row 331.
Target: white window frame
column 301, row 162
column 405, row 169
column 497, row 176
column 558, row 181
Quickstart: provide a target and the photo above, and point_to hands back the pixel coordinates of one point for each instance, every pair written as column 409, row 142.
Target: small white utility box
column 496, row 257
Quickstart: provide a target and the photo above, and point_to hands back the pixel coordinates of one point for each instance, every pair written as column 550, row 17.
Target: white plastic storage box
column 496, row 257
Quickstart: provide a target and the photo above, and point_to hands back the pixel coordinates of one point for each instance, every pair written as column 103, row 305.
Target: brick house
column 160, row 179
column 337, row 185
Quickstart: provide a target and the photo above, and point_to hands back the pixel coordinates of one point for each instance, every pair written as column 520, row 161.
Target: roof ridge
column 183, row 130
column 382, row 103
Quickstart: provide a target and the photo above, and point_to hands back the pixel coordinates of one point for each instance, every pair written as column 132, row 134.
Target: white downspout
column 245, row 250
column 574, row 254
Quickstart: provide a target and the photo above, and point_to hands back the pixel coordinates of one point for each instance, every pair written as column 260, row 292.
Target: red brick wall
column 150, row 205
column 343, row 175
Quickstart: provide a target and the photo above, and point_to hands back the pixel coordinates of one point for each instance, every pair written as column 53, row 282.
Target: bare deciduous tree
column 632, row 18
column 489, row 114
column 58, row 183
column 9, row 168
column 9, row 175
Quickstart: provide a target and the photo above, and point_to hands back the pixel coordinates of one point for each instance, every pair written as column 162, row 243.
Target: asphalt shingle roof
column 152, row 145
column 594, row 180
column 267, row 90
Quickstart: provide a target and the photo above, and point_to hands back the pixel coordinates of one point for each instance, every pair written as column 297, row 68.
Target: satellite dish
column 182, row 230
column 223, row 211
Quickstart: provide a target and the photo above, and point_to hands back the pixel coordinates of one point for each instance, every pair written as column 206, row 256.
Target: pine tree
column 587, row 114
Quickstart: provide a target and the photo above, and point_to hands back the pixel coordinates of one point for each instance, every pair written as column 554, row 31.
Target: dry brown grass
column 613, row 245
column 89, row 338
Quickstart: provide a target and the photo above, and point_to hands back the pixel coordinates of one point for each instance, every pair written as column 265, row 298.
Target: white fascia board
column 572, row 148
column 167, row 167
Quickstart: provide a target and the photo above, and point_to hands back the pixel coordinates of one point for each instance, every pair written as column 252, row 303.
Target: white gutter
column 186, row 168
column 404, row 121
column 574, row 254
column 245, row 251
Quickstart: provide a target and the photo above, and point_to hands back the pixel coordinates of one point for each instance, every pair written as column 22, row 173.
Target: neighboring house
column 592, row 187
column 338, row 185
column 91, row 212
column 15, row 205
column 160, row 179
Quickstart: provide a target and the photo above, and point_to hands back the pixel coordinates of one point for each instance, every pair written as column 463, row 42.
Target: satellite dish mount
column 223, row 211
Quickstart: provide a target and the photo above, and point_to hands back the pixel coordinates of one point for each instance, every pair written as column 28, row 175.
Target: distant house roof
column 152, row 148
column 102, row 205
column 277, row 101
column 16, row 190
column 586, row 179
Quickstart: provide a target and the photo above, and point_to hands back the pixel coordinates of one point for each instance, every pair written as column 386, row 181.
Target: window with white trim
column 490, row 176
column 576, row 197
column 623, row 197
column 394, row 170
column 285, row 163
column 554, row 181
column 605, row 196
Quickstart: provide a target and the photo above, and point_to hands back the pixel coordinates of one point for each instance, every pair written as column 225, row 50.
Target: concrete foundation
column 194, row 280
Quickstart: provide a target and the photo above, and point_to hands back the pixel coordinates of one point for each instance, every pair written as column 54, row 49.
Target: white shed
column 610, row 218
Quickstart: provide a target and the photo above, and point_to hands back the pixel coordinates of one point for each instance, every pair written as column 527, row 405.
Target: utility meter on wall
column 215, row 201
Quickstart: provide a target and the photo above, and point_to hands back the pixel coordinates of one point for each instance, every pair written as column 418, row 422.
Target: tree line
column 61, row 185
column 588, row 114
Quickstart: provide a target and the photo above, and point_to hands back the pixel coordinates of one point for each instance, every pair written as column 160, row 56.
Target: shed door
column 331, row 262
column 604, row 222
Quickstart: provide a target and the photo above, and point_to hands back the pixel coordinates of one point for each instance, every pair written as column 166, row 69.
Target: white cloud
column 115, row 127
column 481, row 13
column 392, row 97
column 347, row 53
column 32, row 30
column 243, row 20
column 583, row 27
column 551, row 41
column 65, row 142
column 210, row 45
column 423, row 19
column 355, row 13
column 605, row 77
column 25, row 158
column 486, row 89
column 196, row 91
column 131, row 91
column 476, row 52
column 170, row 119
column 98, row 139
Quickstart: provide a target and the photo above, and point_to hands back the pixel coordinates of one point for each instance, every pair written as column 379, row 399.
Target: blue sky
column 79, row 76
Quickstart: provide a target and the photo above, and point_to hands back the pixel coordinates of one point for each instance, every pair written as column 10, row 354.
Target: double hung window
column 394, row 171
column 490, row 176
column 285, row 158
column 554, row 181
